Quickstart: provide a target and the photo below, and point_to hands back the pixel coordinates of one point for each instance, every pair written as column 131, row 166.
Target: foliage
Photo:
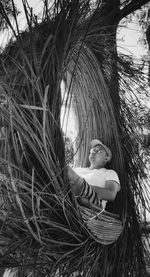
column 8, row 10
column 69, row 151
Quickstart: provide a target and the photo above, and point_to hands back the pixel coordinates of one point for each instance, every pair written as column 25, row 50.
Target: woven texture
column 104, row 227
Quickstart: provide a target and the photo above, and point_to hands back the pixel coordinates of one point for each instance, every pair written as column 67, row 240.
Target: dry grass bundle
column 42, row 232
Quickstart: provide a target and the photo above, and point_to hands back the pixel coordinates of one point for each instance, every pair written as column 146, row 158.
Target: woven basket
column 103, row 226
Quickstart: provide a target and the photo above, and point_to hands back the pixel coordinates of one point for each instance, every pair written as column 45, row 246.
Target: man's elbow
column 112, row 195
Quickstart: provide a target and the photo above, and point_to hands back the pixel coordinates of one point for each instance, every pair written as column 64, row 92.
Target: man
column 96, row 184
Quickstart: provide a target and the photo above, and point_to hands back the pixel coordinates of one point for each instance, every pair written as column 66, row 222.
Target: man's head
column 100, row 154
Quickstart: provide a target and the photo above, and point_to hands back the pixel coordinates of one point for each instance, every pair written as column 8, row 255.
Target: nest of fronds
column 42, row 232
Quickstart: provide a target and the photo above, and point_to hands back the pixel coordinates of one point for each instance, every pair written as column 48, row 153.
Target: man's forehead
column 99, row 146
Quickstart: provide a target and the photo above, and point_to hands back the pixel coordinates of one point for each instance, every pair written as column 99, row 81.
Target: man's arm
column 109, row 192
column 76, row 181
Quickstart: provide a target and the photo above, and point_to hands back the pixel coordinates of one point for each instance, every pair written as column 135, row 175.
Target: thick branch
column 132, row 6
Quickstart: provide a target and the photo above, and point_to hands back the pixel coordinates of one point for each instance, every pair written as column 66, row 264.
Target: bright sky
column 35, row 4
column 37, row 8
column 129, row 41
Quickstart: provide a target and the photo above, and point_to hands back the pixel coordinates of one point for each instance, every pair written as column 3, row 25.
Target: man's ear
column 107, row 159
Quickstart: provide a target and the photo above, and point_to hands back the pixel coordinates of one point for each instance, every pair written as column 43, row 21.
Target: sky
column 130, row 40
column 35, row 4
column 37, row 7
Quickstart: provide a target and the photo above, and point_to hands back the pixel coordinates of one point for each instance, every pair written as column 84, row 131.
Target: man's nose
column 92, row 151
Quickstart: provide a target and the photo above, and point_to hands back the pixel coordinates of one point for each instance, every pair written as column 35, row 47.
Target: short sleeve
column 111, row 175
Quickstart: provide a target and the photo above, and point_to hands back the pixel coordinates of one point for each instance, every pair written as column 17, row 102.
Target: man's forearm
column 104, row 194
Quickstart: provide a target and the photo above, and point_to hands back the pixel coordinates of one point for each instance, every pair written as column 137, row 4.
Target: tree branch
column 131, row 7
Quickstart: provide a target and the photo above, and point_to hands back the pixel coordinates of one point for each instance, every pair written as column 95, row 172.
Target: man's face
column 98, row 156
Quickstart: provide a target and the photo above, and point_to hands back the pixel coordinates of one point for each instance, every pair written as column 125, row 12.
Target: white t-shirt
column 98, row 177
